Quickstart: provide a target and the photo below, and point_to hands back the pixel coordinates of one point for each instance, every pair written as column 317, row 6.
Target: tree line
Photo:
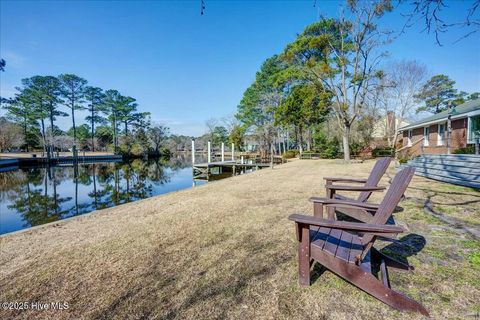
column 113, row 123
column 330, row 86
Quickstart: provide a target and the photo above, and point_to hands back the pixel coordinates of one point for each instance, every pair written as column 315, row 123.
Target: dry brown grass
column 227, row 250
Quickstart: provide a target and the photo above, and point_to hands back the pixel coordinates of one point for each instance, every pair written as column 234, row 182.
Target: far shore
column 16, row 155
column 226, row 250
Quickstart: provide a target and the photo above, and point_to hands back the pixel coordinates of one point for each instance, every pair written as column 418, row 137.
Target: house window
column 426, row 134
column 409, row 139
column 473, row 128
column 441, row 134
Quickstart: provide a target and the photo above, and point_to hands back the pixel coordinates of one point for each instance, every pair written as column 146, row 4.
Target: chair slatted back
column 390, row 201
column 377, row 173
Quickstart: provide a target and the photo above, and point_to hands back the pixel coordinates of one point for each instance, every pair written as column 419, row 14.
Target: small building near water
column 430, row 135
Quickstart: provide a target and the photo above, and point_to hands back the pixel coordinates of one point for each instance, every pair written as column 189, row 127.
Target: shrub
column 356, row 148
column 470, row 149
column 291, row 154
column 383, row 152
column 328, row 147
column 331, row 151
column 365, row 153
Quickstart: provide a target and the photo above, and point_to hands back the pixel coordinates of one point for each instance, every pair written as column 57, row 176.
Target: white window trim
column 426, row 141
column 469, row 138
column 440, row 139
column 409, row 137
column 468, row 131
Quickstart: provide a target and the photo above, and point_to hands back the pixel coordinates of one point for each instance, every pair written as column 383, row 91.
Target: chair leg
column 304, row 257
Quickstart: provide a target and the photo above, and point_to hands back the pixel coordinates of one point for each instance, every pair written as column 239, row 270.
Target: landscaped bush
column 404, row 156
column 356, row 148
column 469, row 149
column 331, row 151
column 290, row 154
column 366, row 153
column 327, row 147
column 383, row 152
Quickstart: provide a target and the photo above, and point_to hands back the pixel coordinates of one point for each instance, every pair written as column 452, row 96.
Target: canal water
column 34, row 196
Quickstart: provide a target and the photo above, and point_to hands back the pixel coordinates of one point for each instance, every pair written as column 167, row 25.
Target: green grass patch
column 470, row 244
column 474, row 259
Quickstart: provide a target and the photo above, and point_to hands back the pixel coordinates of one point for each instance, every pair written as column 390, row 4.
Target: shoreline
column 62, row 221
column 227, row 250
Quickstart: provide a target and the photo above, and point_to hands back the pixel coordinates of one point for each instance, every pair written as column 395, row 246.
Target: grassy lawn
column 227, row 250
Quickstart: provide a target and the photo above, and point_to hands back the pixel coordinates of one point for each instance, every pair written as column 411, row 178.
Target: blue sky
column 182, row 67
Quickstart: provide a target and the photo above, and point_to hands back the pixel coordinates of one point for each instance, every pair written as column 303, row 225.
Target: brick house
column 430, row 135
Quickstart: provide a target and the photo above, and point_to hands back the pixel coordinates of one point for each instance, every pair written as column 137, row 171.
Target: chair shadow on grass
column 399, row 249
column 405, row 247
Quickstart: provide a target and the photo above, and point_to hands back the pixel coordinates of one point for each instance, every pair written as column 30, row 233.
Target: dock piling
column 233, row 152
column 223, row 152
column 209, row 155
column 193, row 151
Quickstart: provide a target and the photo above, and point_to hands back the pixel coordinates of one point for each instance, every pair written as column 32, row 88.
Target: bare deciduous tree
column 402, row 82
column 211, row 124
column 432, row 14
column 11, row 135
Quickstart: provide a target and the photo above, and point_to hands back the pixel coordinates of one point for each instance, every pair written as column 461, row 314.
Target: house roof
column 456, row 112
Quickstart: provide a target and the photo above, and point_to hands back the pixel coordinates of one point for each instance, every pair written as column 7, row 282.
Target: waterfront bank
column 227, row 250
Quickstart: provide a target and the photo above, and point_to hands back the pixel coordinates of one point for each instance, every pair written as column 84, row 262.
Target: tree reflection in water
column 35, row 196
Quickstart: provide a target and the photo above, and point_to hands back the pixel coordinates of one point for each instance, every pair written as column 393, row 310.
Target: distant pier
column 13, row 164
column 212, row 170
column 208, row 171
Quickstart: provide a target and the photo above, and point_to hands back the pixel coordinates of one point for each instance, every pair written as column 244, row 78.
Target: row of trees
column 332, row 83
column 42, row 195
column 113, row 120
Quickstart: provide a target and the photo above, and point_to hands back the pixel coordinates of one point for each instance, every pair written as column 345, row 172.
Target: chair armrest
column 344, row 225
column 353, row 203
column 355, row 180
column 353, row 188
column 347, row 206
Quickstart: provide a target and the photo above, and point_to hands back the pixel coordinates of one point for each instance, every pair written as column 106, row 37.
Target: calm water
column 34, row 196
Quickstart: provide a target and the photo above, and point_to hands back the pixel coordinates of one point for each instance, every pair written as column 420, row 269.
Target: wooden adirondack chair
column 346, row 248
column 370, row 185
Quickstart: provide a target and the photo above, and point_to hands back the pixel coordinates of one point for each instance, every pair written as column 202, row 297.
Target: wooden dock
column 231, row 164
column 42, row 161
column 208, row 171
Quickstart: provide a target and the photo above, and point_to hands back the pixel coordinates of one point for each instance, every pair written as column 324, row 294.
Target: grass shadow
column 405, row 247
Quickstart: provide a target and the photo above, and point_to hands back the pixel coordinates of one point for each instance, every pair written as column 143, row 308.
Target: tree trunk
column 44, row 140
column 346, row 144
column 309, row 139
column 114, row 134
column 51, row 126
column 74, row 128
column 296, row 136
column 93, row 131
column 25, row 129
column 300, row 138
